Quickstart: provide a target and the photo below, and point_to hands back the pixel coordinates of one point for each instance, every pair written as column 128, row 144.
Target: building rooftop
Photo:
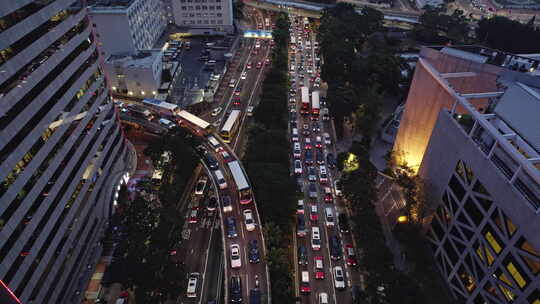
column 142, row 60
column 109, row 4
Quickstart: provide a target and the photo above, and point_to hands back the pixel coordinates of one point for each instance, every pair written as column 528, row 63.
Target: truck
column 315, row 105
column 305, row 101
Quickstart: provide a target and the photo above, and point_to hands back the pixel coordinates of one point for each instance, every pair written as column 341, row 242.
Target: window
column 457, row 188
column 523, row 244
column 493, row 240
column 473, row 212
column 516, row 272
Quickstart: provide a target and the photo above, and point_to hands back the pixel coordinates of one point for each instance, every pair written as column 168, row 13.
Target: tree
column 368, row 112
column 508, row 35
column 436, row 26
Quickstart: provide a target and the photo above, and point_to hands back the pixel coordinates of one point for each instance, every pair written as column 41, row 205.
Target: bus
column 230, row 127
column 305, row 100
column 244, row 191
column 315, row 104
column 196, row 124
column 140, row 112
column 161, row 107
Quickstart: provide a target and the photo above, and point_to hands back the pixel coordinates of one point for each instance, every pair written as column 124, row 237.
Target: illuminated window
column 467, row 279
column 493, row 241
column 509, row 295
column 523, row 244
column 503, row 277
column 516, row 273
column 532, row 264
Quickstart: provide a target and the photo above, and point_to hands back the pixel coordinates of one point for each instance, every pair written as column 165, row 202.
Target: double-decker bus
column 196, row 124
column 315, row 105
column 305, row 100
column 244, row 191
column 230, row 126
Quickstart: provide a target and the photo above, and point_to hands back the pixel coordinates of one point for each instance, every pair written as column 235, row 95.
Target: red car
column 267, row 61
column 193, row 215
column 259, row 65
column 328, row 197
column 248, row 66
column 351, row 255
column 236, row 100
column 313, row 215
column 319, row 268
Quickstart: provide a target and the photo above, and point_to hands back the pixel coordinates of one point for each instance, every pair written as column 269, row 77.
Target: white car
column 337, row 187
column 236, row 262
column 201, row 184
column 216, row 111
column 297, row 167
column 244, row 75
column 339, row 278
column 249, row 111
column 327, row 140
column 248, row 219
column 297, row 151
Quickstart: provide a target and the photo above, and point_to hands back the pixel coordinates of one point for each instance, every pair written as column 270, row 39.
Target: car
column 308, row 157
column 201, row 185
column 305, row 130
column 315, row 127
column 193, row 215
column 343, row 223
column 212, row 203
column 211, row 161
column 236, row 101
column 330, row 160
column 267, row 61
column 304, row 284
column 297, row 152
column 237, row 91
column 226, row 202
column 232, row 83
column 231, row 227
column 248, row 220
column 236, row 261
column 316, row 239
column 318, row 267
column 192, row 285
column 216, row 111
column 297, row 167
column 335, row 248
column 259, row 65
column 323, row 175
column 337, row 187
column 319, row 157
column 248, row 66
column 318, row 142
column 312, row 191
column 307, row 143
column 253, row 253
column 351, row 255
column 323, row 298
column 329, row 217
column 300, row 225
column 312, row 175
column 327, row 140
column 313, row 214
column 292, row 109
column 300, row 207
column 220, row 179
column 249, row 110
column 328, row 195
column 226, row 156
column 244, row 75
column 302, row 256
column 339, row 278
column 235, row 289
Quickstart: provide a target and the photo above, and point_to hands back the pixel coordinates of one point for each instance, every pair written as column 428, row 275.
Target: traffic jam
column 326, row 258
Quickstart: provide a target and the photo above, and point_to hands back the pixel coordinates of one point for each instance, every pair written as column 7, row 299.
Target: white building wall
column 204, row 16
column 113, row 34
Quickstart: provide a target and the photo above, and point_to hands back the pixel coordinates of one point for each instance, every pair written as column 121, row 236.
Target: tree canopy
column 508, row 35
column 436, row 26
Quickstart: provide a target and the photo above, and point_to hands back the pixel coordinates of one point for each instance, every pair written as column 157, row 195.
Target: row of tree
column 359, row 70
column 267, row 164
column 153, row 226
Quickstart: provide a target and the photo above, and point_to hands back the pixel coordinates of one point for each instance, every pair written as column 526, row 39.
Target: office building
column 204, row 17
column 62, row 151
column 127, row 26
column 137, row 75
column 470, row 128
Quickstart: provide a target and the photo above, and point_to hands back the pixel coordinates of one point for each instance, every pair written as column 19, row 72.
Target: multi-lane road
column 304, row 71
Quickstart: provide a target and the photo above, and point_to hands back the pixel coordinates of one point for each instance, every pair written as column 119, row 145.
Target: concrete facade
column 483, row 178
column 61, row 148
column 127, row 26
column 204, row 17
column 135, row 75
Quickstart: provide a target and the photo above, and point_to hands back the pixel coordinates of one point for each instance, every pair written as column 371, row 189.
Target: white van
column 214, row 142
column 294, row 134
column 315, row 238
column 220, row 179
column 232, row 83
column 192, row 285
column 323, row 298
column 329, row 217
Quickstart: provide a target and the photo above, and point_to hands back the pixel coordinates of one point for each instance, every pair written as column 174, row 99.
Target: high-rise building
column 471, row 129
column 62, row 150
column 127, row 26
column 204, row 17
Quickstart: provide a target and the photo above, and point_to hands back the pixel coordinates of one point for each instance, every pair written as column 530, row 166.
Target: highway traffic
column 326, row 259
